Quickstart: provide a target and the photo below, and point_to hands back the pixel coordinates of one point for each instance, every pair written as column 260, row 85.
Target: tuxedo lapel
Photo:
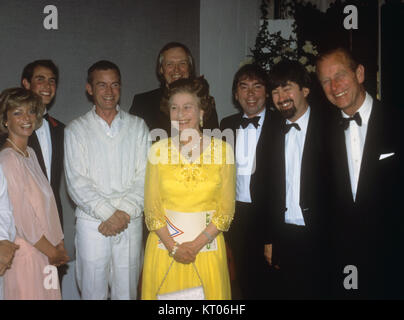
column 54, row 141
column 260, row 153
column 33, row 142
column 370, row 150
column 308, row 163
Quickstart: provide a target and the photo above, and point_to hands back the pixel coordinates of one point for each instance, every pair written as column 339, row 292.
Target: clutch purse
column 195, row 293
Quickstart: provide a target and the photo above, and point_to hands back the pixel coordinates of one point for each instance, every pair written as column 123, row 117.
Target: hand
column 59, row 255
column 107, row 229
column 117, row 223
column 7, row 251
column 268, row 255
column 186, row 253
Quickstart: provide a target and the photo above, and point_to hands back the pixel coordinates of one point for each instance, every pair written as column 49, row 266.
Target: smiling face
column 21, row 122
column 290, row 100
column 342, row 85
column 251, row 95
column 43, row 83
column 185, row 112
column 105, row 88
column 175, row 64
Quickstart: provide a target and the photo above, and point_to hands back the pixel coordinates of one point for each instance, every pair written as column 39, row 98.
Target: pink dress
column 35, row 215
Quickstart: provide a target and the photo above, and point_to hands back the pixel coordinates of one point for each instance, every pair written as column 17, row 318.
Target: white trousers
column 108, row 262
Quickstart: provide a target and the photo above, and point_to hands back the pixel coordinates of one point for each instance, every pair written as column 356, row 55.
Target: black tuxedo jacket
column 147, row 106
column 57, row 137
column 368, row 232
column 233, row 122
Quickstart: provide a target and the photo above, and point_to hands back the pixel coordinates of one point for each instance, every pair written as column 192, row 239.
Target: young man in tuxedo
column 295, row 185
column 367, row 178
column 250, row 128
column 41, row 77
column 174, row 62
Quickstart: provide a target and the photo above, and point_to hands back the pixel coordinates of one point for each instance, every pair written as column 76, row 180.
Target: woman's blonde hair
column 15, row 97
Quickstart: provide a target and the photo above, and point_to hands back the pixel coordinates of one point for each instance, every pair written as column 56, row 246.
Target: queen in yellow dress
column 189, row 200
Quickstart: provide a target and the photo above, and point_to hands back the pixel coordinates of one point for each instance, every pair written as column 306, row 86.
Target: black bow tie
column 246, row 121
column 288, row 126
column 344, row 122
column 46, row 116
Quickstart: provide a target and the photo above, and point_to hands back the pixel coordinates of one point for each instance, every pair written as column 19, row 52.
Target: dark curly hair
column 198, row 87
column 15, row 97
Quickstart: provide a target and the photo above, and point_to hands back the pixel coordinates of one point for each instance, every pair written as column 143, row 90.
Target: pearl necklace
column 17, row 148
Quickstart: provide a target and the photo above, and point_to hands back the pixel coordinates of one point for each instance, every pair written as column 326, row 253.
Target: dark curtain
column 392, row 52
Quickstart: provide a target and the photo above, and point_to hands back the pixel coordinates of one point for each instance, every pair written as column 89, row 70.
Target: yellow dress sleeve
column 153, row 208
column 227, row 195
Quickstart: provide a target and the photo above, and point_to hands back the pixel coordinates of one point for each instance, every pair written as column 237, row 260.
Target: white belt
column 186, row 226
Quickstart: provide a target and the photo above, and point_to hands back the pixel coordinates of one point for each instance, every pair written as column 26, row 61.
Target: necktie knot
column 288, row 126
column 246, row 121
column 344, row 122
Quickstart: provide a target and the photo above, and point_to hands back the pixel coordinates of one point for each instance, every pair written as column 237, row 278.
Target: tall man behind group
column 105, row 162
column 174, row 62
column 366, row 169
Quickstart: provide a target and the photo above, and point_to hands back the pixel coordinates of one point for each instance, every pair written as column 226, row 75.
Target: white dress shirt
column 355, row 137
column 294, row 146
column 246, row 144
column 116, row 124
column 44, row 138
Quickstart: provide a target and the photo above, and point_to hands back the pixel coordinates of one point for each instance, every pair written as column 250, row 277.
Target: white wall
column 228, row 29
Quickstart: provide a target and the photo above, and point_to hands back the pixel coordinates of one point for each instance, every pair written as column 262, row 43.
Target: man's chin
column 288, row 114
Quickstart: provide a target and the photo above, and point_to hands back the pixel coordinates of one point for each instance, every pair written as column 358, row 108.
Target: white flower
column 303, row 60
column 311, row 68
column 308, row 47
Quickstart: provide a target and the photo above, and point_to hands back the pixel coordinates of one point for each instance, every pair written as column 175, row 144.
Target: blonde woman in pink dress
column 38, row 230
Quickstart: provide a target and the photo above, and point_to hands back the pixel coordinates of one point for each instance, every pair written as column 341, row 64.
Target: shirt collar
column 303, row 121
column 261, row 115
column 364, row 110
column 117, row 116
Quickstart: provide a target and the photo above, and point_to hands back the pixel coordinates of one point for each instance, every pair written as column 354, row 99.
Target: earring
column 201, row 122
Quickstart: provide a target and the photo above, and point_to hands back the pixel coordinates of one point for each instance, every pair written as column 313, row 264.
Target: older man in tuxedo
column 174, row 62
column 367, row 179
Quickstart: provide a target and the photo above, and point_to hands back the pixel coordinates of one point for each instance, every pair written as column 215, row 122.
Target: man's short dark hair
column 29, row 69
column 252, row 72
column 288, row 70
column 102, row 65
column 168, row 46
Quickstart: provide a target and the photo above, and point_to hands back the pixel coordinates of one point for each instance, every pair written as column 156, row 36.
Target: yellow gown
column 174, row 183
